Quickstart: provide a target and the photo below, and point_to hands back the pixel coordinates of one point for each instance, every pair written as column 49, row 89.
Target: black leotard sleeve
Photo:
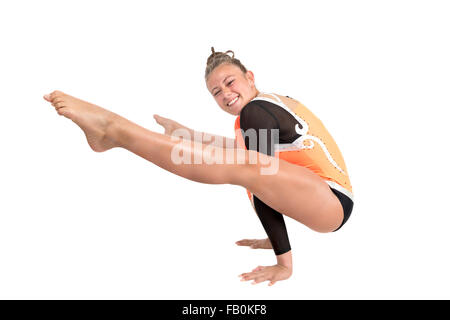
column 259, row 115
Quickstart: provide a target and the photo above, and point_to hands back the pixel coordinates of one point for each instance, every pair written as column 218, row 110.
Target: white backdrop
column 75, row 224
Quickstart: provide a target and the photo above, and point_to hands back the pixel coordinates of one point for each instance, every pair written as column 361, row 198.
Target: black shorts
column 347, row 205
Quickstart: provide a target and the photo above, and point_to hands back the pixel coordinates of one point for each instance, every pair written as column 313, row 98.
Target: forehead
column 220, row 73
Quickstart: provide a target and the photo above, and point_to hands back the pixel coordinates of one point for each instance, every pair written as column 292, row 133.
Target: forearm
column 274, row 225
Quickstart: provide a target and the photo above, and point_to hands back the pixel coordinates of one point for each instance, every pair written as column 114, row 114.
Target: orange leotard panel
column 315, row 149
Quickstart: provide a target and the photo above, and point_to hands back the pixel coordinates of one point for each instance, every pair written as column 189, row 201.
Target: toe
column 56, row 94
column 65, row 112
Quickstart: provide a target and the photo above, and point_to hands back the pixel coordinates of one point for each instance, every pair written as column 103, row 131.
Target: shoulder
column 258, row 114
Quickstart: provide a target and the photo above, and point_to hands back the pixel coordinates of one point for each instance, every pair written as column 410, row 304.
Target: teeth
column 232, row 101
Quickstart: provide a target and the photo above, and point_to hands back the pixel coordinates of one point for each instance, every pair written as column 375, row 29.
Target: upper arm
column 257, row 116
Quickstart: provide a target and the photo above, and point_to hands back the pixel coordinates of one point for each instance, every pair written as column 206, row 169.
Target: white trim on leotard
column 340, row 188
column 300, row 142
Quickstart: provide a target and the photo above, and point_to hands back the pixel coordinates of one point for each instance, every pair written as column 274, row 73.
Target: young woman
column 282, row 154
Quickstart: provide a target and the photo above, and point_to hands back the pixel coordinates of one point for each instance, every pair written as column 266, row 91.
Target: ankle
column 114, row 129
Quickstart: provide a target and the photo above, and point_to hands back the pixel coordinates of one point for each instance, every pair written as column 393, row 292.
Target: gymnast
column 281, row 153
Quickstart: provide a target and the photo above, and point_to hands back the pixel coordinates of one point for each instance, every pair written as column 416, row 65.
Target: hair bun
column 219, row 55
column 217, row 58
column 229, row 51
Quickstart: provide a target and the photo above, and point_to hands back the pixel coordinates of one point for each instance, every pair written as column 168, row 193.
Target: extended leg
column 292, row 190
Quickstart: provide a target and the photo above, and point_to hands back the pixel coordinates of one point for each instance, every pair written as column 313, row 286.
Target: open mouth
column 229, row 104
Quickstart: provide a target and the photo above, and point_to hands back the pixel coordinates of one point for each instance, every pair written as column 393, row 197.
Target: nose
column 227, row 93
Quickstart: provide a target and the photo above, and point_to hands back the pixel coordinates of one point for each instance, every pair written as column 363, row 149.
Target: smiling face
column 231, row 88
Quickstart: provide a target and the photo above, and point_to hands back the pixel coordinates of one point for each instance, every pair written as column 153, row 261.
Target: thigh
column 298, row 193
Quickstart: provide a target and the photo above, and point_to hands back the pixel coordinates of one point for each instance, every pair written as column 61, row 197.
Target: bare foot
column 168, row 124
column 271, row 273
column 92, row 119
column 255, row 243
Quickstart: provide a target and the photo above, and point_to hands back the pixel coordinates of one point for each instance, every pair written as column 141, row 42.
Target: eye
column 230, row 82
column 215, row 94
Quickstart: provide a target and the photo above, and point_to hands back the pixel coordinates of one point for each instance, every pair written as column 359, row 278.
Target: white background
column 75, row 224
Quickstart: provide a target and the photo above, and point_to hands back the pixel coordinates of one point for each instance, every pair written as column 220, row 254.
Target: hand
column 271, row 273
column 169, row 125
column 255, row 243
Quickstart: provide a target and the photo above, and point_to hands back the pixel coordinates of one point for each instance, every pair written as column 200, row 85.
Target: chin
column 238, row 109
column 235, row 110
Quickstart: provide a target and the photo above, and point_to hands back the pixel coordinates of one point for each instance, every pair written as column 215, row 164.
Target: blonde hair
column 218, row 58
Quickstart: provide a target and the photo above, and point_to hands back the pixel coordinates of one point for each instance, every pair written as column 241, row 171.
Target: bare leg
column 294, row 191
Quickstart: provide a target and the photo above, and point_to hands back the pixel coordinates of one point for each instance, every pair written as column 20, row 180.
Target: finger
column 271, row 283
column 244, row 276
column 259, row 280
column 251, row 276
column 47, row 97
column 258, row 268
column 245, row 242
